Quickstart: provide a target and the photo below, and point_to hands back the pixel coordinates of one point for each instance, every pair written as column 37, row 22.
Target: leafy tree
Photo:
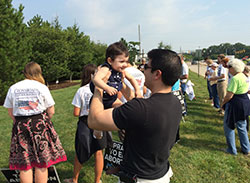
column 50, row 49
column 188, row 57
column 55, row 23
column 98, row 51
column 81, row 46
column 36, row 21
column 161, row 45
column 14, row 46
column 133, row 48
column 239, row 50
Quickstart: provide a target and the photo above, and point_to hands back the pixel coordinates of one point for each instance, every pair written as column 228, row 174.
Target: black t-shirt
column 151, row 126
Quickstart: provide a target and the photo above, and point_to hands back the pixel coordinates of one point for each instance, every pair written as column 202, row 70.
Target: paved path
column 201, row 70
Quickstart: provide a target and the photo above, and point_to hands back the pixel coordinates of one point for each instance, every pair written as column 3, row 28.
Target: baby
column 116, row 62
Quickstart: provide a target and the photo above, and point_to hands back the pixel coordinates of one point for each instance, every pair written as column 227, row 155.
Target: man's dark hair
column 168, row 62
column 115, row 49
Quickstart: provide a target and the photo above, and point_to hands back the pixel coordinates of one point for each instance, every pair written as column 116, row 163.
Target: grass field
column 196, row 158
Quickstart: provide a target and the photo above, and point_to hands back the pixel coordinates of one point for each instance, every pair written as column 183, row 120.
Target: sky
column 183, row 24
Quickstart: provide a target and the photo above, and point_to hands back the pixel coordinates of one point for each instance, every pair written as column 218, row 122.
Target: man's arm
column 98, row 118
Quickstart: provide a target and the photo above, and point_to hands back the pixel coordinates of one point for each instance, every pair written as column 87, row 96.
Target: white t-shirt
column 210, row 72
column 139, row 77
column 184, row 71
column 248, row 81
column 28, row 97
column 222, row 70
column 82, row 99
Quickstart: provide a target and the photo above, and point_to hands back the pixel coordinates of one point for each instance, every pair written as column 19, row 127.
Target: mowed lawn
column 196, row 158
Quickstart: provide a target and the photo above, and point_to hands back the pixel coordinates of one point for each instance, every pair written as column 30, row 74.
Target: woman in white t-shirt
column 34, row 142
column 85, row 143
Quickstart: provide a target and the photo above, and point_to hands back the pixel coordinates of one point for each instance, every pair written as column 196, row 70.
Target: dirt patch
column 62, row 84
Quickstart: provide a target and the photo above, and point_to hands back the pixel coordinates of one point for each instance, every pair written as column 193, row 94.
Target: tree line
column 238, row 49
column 61, row 53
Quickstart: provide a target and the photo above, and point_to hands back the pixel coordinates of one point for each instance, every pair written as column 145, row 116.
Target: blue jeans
column 209, row 89
column 216, row 99
column 183, row 90
column 230, row 135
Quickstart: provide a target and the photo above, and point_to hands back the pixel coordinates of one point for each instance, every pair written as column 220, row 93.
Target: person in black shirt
column 150, row 124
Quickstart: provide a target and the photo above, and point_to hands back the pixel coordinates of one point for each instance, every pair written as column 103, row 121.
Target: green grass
column 196, row 158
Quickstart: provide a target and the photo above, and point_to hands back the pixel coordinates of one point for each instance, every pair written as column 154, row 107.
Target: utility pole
column 199, row 57
column 139, row 34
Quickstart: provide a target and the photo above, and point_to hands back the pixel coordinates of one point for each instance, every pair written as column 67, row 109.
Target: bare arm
column 76, row 111
column 127, row 92
column 98, row 118
column 51, row 111
column 228, row 97
column 101, row 73
column 134, row 83
column 217, row 77
column 10, row 112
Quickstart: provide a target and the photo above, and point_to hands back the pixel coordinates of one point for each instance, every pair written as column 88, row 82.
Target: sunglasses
column 146, row 67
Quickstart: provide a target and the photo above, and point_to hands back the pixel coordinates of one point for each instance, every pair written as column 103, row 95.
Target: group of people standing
column 229, row 87
column 217, row 80
column 149, row 126
column 111, row 99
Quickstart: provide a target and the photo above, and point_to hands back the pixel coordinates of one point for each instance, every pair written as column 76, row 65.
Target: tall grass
column 196, row 158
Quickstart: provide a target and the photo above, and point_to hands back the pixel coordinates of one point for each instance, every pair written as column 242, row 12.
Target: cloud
column 92, row 14
column 181, row 23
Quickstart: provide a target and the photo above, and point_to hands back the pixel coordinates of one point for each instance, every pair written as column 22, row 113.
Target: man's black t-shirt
column 151, row 126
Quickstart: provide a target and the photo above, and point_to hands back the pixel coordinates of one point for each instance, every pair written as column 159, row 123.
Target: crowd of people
column 228, row 87
column 140, row 103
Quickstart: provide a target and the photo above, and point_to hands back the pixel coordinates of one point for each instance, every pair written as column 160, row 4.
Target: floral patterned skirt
column 34, row 143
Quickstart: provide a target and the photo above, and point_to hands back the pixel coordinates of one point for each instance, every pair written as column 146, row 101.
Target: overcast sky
column 184, row 24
